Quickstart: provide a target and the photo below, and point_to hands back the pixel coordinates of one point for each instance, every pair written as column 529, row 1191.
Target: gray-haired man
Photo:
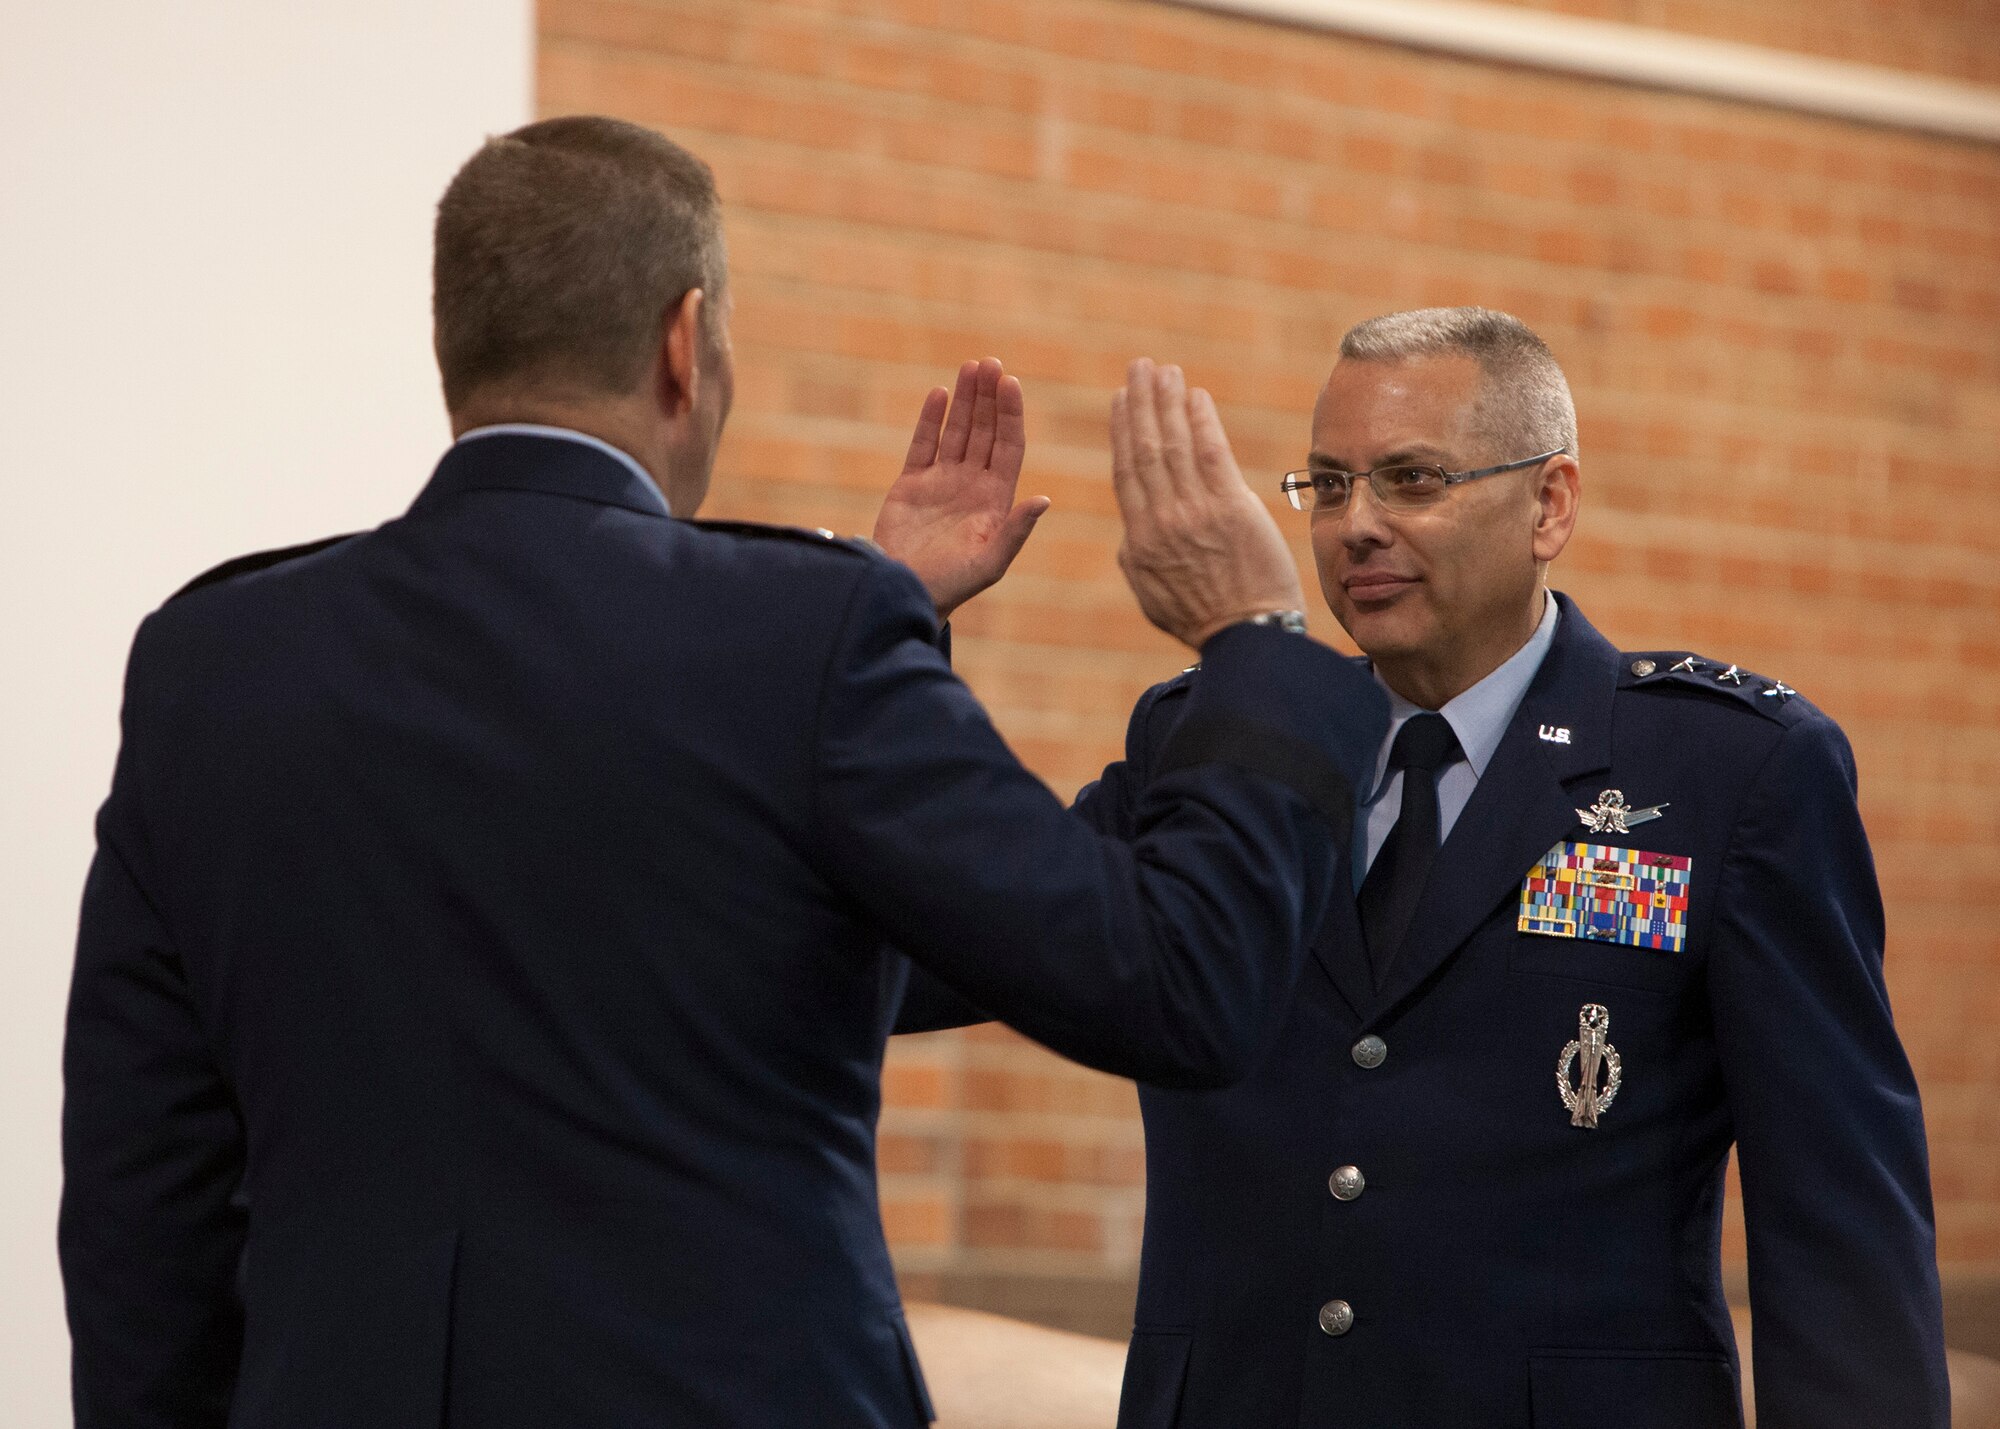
column 1641, row 872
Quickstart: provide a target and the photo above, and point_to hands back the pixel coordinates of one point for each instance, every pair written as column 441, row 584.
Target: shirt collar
column 566, row 434
column 1478, row 716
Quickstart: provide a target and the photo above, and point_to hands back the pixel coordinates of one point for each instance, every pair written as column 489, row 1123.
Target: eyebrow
column 1415, row 452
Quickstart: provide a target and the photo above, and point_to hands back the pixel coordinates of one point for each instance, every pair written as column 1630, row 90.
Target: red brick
column 1782, row 333
column 1595, row 185
column 1017, row 1227
column 1845, row 285
column 918, row 1220
column 915, row 1086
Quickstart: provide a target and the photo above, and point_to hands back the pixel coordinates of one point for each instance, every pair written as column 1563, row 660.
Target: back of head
column 1524, row 400
column 559, row 249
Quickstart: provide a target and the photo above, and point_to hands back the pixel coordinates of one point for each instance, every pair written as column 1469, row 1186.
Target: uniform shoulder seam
column 258, row 561
column 817, row 536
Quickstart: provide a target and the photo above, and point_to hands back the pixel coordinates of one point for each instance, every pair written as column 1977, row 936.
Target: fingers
column 1176, row 442
column 1152, row 441
column 1215, row 463
column 958, row 425
column 930, row 422
column 1125, row 484
column 985, row 413
column 1010, row 435
column 1137, row 478
column 1019, row 525
column 1142, row 418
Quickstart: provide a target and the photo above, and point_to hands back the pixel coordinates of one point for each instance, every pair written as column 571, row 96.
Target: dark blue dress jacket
column 1503, row 1267
column 481, row 989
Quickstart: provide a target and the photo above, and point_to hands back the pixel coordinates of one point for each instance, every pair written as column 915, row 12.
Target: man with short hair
column 1641, row 872
column 481, row 989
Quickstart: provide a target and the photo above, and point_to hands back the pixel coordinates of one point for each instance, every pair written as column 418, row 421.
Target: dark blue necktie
column 1424, row 745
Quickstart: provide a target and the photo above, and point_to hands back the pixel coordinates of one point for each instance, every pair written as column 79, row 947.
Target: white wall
column 214, row 338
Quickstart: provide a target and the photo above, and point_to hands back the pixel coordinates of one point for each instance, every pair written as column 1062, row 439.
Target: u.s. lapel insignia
column 1592, row 1046
column 1608, row 894
column 1612, row 815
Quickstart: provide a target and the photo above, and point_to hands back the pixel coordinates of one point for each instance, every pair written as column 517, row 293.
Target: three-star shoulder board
column 257, row 561
column 1680, row 670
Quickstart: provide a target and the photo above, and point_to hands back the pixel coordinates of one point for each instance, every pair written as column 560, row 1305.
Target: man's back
column 443, row 816
column 496, row 903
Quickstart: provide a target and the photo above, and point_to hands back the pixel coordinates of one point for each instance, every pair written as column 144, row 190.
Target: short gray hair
column 1524, row 399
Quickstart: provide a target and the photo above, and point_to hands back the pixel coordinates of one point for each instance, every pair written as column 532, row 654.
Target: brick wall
column 1959, row 39
column 1783, row 333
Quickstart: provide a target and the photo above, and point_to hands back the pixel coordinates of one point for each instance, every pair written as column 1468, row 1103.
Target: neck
column 619, row 421
column 1431, row 678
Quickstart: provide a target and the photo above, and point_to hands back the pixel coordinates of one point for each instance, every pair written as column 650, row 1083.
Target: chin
column 1384, row 633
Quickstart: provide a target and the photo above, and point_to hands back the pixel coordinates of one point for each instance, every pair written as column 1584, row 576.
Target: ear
column 1557, row 491
column 679, row 365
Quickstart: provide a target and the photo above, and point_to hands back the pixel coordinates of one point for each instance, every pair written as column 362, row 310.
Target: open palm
column 951, row 516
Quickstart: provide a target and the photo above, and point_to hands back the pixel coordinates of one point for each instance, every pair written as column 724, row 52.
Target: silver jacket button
column 1346, row 1183
column 1336, row 1317
column 1370, row 1052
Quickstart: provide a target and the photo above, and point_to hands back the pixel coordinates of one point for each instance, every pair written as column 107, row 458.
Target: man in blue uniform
column 1610, row 913
column 481, row 989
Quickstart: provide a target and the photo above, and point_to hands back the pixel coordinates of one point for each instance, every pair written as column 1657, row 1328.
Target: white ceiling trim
column 1660, row 59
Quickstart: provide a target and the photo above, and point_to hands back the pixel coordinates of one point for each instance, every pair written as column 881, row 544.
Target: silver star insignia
column 1612, row 815
column 1732, row 674
column 1688, row 663
column 1779, row 691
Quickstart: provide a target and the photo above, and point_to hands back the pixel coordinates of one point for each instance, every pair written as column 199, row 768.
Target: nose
column 1359, row 523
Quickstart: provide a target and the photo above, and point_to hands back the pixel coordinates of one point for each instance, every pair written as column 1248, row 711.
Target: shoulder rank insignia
column 1612, row 815
column 1608, row 894
column 1668, row 668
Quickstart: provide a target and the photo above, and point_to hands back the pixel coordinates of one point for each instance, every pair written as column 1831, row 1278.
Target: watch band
column 1292, row 620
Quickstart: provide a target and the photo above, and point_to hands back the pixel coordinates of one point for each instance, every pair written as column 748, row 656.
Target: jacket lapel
column 1338, row 948
column 1521, row 806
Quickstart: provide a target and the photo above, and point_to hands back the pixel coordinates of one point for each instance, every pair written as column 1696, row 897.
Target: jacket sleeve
column 1846, row 1317
column 152, row 1156
column 1107, row 804
column 1168, row 957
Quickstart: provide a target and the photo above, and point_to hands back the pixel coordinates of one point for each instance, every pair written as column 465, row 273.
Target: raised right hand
column 951, row 516
column 1200, row 550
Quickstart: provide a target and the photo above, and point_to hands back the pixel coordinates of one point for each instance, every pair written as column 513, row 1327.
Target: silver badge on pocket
column 1592, row 1045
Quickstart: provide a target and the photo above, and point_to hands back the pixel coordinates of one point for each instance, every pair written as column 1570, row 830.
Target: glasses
column 1403, row 487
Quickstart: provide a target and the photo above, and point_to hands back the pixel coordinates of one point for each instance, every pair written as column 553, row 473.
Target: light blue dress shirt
column 1479, row 717
column 565, row 434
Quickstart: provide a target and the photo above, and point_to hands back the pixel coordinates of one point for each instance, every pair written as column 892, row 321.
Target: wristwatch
column 1292, row 620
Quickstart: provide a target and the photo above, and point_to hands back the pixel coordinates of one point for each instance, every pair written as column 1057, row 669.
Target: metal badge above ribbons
column 1608, row 895
column 1612, row 815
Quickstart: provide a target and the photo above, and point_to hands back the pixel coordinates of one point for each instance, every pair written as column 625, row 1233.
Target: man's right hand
column 1200, row 550
column 951, row 516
